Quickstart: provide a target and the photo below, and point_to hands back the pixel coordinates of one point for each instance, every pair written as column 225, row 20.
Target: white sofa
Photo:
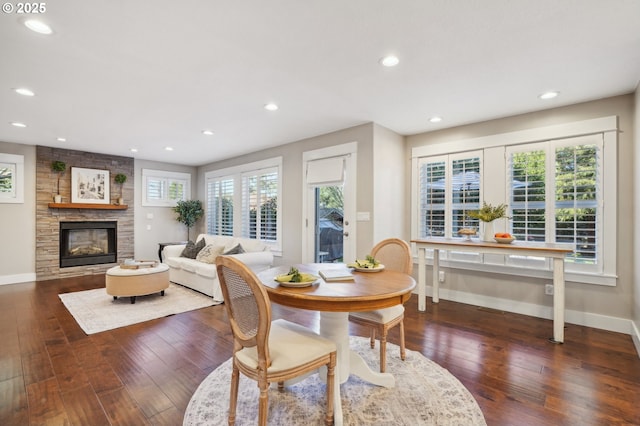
column 202, row 276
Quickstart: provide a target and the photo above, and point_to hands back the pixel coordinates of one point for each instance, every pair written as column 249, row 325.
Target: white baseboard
column 635, row 335
column 18, row 278
column 587, row 319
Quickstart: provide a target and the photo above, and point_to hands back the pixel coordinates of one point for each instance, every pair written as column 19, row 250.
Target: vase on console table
column 487, row 232
column 57, row 198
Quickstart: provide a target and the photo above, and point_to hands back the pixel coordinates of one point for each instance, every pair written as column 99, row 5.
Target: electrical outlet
column 441, row 276
column 548, row 289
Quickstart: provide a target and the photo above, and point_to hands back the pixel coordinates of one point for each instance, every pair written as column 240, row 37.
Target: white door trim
column 349, row 150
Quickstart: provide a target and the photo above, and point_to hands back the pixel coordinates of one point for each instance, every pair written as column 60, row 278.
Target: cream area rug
column 96, row 311
column 425, row 394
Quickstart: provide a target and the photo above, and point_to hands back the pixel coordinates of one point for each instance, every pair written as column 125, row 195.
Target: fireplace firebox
column 88, row 243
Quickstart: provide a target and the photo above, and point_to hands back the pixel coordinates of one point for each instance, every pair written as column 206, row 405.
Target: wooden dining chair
column 395, row 255
column 267, row 351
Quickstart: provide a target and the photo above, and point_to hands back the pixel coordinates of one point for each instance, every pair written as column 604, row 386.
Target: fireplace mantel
column 88, row 206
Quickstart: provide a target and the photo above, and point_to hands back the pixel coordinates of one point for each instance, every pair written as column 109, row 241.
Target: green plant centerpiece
column 58, row 167
column 120, row 179
column 488, row 214
column 189, row 212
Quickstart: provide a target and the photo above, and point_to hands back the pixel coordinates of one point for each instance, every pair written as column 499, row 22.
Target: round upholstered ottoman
column 123, row 282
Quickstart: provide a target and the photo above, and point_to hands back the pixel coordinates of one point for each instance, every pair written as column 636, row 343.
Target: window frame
column 240, row 208
column 169, row 178
column 494, row 148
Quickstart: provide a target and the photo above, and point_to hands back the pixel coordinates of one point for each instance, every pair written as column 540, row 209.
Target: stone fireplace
column 85, row 257
column 88, row 243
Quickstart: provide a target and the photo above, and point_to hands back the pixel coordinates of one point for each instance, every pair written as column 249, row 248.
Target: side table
column 161, row 247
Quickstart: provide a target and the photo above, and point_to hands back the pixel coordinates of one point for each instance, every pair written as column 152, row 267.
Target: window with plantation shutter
column 260, row 205
column 164, row 188
column 555, row 197
column 220, row 206
column 432, row 197
column 449, row 189
column 577, row 209
column 465, row 192
column 244, row 201
column 552, row 181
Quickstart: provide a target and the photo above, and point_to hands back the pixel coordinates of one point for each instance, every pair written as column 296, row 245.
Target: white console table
column 556, row 252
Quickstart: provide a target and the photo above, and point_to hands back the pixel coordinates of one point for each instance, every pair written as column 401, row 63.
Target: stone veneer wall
column 48, row 220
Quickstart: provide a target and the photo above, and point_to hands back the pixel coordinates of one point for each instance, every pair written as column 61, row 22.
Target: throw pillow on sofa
column 209, row 253
column 192, row 249
column 235, row 250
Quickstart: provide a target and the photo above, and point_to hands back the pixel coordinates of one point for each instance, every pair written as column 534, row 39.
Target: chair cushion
column 290, row 345
column 380, row 315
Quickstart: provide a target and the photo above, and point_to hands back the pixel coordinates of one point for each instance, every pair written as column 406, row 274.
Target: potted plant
column 487, row 214
column 120, row 179
column 189, row 212
column 58, row 167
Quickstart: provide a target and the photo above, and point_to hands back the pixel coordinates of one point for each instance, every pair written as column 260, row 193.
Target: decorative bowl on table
column 504, row 240
column 467, row 232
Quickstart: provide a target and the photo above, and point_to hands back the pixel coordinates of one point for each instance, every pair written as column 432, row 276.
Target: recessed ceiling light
column 435, row 119
column 17, row 124
column 134, row 150
column 207, row 132
column 549, row 95
column 24, row 91
column 61, row 139
column 38, row 26
column 271, row 107
column 168, row 148
column 390, row 61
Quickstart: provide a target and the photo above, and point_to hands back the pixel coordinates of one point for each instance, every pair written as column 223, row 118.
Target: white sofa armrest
column 257, row 261
column 172, row 251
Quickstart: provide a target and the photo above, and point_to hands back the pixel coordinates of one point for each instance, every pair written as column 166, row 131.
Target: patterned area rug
column 425, row 394
column 96, row 311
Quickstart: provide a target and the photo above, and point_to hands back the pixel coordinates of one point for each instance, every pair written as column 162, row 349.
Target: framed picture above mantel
column 90, row 186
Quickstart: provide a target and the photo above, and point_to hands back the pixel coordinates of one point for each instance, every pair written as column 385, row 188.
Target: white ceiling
column 118, row 74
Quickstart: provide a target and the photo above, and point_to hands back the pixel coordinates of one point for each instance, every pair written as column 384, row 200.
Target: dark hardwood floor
column 52, row 373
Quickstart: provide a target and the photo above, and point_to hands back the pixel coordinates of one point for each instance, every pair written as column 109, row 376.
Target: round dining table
column 334, row 300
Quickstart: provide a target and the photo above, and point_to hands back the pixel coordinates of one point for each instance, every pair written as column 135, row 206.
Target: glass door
column 329, row 224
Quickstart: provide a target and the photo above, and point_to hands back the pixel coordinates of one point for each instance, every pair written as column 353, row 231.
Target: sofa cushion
column 189, row 265
column 173, row 262
column 192, row 249
column 235, row 250
column 206, row 270
column 209, row 253
column 253, row 245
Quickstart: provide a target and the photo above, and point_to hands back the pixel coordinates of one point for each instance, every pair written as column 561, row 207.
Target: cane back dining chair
column 395, row 255
column 267, row 351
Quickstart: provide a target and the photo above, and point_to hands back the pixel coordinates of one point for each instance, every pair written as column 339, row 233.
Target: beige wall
column 18, row 223
column 636, row 230
column 158, row 224
column 389, row 177
column 585, row 303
